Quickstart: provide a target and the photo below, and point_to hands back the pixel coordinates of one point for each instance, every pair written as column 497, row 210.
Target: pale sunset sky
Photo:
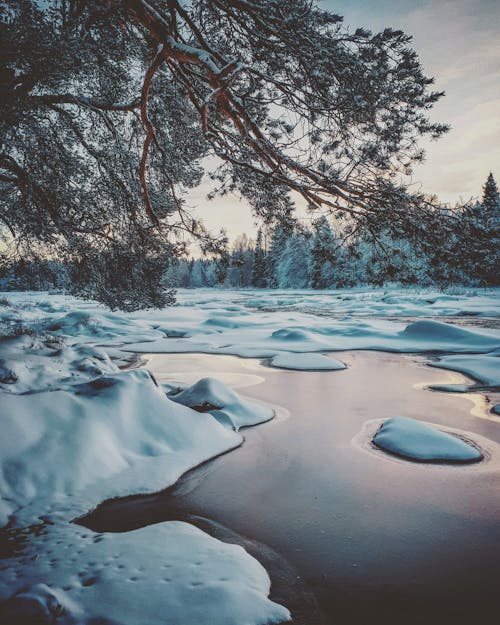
column 459, row 44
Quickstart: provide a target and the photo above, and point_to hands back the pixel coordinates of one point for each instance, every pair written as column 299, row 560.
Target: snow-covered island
column 81, row 424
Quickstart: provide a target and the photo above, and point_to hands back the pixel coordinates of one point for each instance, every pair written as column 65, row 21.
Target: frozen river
column 347, row 533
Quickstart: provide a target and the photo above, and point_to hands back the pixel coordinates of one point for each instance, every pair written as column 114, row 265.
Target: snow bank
column 117, row 435
column 35, row 363
column 482, row 367
column 412, row 439
column 169, row 573
column 213, row 396
column 445, row 335
column 306, row 362
column 268, row 334
column 450, row 388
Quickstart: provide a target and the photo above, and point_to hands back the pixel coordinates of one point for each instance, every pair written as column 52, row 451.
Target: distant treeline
column 462, row 249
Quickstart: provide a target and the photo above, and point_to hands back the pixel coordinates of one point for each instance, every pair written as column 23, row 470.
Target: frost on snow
column 415, row 440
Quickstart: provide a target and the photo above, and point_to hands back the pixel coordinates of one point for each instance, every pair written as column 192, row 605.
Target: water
column 369, row 537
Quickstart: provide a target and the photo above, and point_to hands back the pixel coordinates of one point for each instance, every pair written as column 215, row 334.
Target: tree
column 323, row 252
column 480, row 236
column 108, row 109
column 491, row 196
column 259, row 263
column 293, row 268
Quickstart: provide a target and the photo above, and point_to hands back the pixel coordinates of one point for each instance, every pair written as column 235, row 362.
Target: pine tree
column 125, row 99
column 259, row 263
column 480, row 237
column 491, row 196
column 293, row 268
column 322, row 255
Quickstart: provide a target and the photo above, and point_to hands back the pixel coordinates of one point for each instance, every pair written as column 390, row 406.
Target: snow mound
column 213, row 396
column 117, row 434
column 414, row 440
column 40, row 605
column 36, row 363
column 482, row 367
column 100, row 327
column 287, row 334
column 166, row 573
column 444, row 333
column 306, row 362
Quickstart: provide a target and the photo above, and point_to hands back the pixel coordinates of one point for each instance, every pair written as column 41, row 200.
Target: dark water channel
column 348, row 534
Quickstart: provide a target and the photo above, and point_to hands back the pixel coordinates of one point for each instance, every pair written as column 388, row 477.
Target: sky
column 458, row 44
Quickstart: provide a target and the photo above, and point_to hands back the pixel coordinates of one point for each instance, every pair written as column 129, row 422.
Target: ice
column 418, row 441
column 213, row 396
column 306, row 362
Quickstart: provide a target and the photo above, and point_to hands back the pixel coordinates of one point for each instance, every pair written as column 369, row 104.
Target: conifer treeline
column 323, row 256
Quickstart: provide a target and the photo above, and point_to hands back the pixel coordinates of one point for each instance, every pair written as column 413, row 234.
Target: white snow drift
column 119, row 426
column 306, row 362
column 119, row 434
column 485, row 368
column 211, row 395
column 417, row 441
column 170, row 573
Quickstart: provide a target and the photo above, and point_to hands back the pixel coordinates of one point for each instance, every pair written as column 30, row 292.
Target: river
column 348, row 534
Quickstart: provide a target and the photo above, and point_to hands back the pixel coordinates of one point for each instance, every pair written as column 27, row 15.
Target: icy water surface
column 374, row 538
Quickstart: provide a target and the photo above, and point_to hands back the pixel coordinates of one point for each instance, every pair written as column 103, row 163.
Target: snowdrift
column 417, row 441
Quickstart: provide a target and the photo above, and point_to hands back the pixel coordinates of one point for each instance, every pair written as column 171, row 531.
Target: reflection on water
column 377, row 539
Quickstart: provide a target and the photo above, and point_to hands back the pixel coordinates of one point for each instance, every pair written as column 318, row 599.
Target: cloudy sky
column 458, row 43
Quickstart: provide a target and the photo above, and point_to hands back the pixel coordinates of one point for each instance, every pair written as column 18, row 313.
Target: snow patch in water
column 213, row 396
column 417, row 441
column 306, row 362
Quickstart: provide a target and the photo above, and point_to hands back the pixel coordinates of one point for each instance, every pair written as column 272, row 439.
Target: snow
column 76, row 430
column 450, row 388
column 213, row 396
column 120, row 426
column 63, row 451
column 418, row 441
column 482, row 367
column 37, row 363
column 170, row 573
column 307, row 362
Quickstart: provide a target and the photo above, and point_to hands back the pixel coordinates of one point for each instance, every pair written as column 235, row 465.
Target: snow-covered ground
column 77, row 430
